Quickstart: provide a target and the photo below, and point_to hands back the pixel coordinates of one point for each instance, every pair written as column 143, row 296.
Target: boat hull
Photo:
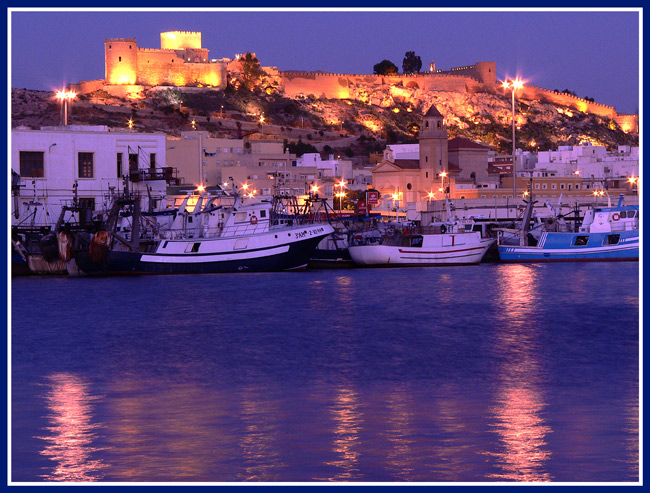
column 276, row 257
column 557, row 247
column 429, row 255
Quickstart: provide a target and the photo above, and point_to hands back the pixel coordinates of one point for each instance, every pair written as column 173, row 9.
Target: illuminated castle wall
column 181, row 61
column 477, row 77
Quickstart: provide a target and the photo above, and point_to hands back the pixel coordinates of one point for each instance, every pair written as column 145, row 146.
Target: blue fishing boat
column 606, row 233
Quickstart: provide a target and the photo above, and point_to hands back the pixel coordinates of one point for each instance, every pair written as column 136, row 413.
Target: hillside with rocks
column 375, row 116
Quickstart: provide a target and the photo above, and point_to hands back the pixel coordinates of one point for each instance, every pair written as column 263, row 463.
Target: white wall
column 61, row 147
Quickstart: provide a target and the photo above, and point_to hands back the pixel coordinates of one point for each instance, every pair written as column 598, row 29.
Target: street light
column 396, row 202
column 341, row 194
column 65, row 97
column 633, row 180
column 130, row 123
column 514, row 84
column 444, row 190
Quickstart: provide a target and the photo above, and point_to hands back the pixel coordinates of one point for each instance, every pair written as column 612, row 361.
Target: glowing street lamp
column 444, row 190
column 193, row 124
column 340, row 193
column 633, row 181
column 65, row 97
column 513, row 84
column 130, row 123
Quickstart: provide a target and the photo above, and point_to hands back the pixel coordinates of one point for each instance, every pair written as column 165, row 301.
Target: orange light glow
column 66, row 95
column 245, row 186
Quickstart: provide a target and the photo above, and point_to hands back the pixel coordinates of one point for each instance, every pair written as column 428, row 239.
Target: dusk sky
column 594, row 54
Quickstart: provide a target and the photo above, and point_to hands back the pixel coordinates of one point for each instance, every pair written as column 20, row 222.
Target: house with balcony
column 52, row 166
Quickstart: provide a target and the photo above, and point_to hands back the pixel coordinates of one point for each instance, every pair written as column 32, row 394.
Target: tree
column 411, row 63
column 252, row 71
column 385, row 67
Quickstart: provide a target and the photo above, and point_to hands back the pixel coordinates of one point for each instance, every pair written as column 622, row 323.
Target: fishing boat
column 606, row 233
column 215, row 237
column 422, row 246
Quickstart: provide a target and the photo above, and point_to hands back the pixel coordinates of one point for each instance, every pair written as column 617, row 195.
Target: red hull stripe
column 438, row 253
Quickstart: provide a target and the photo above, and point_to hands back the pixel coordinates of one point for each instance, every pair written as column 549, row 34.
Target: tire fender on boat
column 253, row 219
column 99, row 246
column 616, row 216
column 64, row 246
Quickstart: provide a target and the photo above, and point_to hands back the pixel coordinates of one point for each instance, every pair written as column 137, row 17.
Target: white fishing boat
column 254, row 237
column 422, row 247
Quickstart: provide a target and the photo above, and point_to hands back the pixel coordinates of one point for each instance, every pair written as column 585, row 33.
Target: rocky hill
column 378, row 115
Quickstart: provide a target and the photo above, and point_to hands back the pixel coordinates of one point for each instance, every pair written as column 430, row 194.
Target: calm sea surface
column 482, row 373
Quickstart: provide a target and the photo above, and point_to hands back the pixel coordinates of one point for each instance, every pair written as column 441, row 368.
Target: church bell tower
column 433, row 145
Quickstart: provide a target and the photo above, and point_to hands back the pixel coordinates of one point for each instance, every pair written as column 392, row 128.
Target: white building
column 591, row 162
column 330, row 168
column 401, row 151
column 53, row 161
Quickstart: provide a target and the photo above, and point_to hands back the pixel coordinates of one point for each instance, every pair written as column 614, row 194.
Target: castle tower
column 433, row 145
column 486, row 73
column 180, row 40
column 121, row 59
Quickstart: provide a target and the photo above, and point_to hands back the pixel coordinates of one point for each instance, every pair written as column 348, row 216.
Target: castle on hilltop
column 182, row 61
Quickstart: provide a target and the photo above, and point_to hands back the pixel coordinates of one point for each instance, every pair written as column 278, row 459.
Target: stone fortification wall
column 628, row 123
column 155, row 67
column 484, row 72
column 568, row 100
column 338, row 86
column 87, row 86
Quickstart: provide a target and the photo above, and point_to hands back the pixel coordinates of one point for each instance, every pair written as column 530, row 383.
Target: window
column 426, row 124
column 87, row 203
column 439, row 124
column 409, row 186
column 31, row 164
column 577, row 187
column 536, row 186
column 85, row 160
column 262, row 213
column 553, row 186
column 152, row 160
column 119, row 59
column 581, row 241
column 562, row 186
column 119, row 164
column 613, row 239
column 133, row 163
column 416, row 241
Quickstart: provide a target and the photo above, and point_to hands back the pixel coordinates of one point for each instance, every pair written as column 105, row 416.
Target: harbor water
column 449, row 374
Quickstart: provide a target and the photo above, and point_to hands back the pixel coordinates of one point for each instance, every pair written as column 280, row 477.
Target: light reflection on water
column 520, row 404
column 70, row 443
column 346, row 419
column 260, row 436
column 413, row 375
